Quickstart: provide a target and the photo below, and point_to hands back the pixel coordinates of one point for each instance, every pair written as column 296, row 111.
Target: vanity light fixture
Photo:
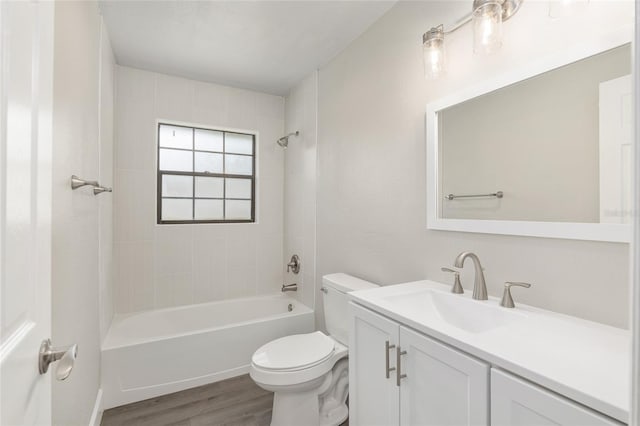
column 486, row 16
column 433, row 50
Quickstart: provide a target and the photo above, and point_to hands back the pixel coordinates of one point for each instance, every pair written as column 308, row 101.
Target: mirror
column 548, row 155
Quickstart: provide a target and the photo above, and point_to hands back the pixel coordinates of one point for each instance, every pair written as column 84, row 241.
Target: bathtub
column 153, row 353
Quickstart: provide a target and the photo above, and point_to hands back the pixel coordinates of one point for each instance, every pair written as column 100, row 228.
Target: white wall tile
column 174, row 290
column 134, row 209
column 173, row 248
column 192, row 263
column 174, row 98
column 269, row 263
column 210, row 264
column 300, row 186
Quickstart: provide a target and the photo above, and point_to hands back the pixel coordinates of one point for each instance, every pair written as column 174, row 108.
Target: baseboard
column 96, row 415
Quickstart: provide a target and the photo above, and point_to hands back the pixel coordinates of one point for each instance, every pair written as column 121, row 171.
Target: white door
column 515, row 402
column 616, row 156
column 26, row 73
column 442, row 387
column 373, row 393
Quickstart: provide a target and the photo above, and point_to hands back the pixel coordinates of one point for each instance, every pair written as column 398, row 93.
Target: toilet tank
column 335, row 301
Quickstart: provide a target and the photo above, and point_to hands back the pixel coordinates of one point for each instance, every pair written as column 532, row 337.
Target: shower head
column 284, row 141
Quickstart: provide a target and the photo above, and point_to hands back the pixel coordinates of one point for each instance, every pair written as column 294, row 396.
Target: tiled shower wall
column 300, row 185
column 160, row 266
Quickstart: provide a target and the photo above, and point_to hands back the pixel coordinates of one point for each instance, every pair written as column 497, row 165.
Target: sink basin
column 474, row 316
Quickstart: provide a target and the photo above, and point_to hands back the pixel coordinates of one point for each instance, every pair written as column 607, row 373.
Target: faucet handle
column 457, row 286
column 507, row 300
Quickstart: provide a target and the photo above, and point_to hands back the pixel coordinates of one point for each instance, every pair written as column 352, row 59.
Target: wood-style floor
column 233, row 402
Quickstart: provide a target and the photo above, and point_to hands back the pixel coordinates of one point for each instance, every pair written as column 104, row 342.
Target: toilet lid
column 294, row 352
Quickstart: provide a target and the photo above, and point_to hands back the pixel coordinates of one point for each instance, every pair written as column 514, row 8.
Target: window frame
column 160, row 173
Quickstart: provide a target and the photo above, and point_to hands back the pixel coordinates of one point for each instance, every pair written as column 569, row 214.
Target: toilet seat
column 295, row 352
column 296, row 367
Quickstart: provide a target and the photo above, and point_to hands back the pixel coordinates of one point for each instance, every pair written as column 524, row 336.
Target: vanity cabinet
column 516, row 402
column 373, row 394
column 400, row 377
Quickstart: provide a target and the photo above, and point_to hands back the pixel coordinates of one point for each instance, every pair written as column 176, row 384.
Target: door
column 616, row 156
column 373, row 394
column 26, row 73
column 442, row 385
column 515, row 402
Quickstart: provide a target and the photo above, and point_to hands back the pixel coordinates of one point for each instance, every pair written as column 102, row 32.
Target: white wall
column 159, row 266
column 371, row 149
column 300, row 185
column 105, row 177
column 81, row 311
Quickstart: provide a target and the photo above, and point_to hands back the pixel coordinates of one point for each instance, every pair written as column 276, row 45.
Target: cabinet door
column 373, row 397
column 515, row 402
column 443, row 386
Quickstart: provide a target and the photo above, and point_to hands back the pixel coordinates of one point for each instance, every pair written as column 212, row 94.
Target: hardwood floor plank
column 233, row 402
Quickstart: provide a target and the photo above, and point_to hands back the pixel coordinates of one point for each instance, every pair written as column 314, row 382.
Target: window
column 205, row 176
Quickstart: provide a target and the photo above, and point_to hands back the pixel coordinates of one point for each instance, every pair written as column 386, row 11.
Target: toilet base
column 321, row 402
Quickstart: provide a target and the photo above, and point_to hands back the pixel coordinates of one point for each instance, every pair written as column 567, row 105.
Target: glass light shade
column 433, row 51
column 487, row 27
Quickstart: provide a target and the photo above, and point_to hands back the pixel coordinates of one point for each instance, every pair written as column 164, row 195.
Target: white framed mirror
column 542, row 151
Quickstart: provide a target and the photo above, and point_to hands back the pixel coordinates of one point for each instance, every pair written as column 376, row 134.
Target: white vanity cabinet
column 400, row 377
column 373, row 394
column 516, row 402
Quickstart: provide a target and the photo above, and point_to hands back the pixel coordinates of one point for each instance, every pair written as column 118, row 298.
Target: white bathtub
column 158, row 352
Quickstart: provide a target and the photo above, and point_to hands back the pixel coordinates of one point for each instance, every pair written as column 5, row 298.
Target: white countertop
column 583, row 360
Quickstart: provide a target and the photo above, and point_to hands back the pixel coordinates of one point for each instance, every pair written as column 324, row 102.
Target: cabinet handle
column 399, row 376
column 387, row 348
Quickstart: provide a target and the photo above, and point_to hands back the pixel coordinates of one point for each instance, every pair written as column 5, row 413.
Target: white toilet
column 309, row 372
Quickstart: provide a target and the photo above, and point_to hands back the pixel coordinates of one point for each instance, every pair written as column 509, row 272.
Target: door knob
column 66, row 356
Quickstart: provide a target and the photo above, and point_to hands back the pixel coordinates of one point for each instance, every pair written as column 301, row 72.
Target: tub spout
column 290, row 287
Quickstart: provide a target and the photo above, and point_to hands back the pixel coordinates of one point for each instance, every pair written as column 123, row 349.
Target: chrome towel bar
column 498, row 194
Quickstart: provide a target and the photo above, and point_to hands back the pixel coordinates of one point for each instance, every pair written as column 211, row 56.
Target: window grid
column 194, row 175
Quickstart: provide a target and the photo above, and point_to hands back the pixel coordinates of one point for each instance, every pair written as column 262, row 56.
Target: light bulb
column 433, row 51
column 487, row 27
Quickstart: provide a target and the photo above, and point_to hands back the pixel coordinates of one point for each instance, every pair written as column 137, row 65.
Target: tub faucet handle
column 294, row 264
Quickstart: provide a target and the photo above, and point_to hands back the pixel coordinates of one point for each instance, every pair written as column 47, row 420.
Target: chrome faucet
column 290, row 287
column 479, row 286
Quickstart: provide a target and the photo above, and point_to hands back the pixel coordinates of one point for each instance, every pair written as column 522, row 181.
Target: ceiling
column 268, row 46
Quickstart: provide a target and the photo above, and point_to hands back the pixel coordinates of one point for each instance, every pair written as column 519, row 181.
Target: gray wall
column 371, row 148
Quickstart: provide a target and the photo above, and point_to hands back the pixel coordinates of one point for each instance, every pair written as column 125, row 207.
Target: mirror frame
column 567, row 230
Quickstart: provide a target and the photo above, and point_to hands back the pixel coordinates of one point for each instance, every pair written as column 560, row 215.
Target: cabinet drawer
column 516, row 402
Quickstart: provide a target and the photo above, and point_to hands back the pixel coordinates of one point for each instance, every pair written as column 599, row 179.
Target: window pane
column 173, row 209
column 206, row 162
column 209, row 187
column 238, row 209
column 177, row 186
column 238, row 144
column 238, row 164
column 208, row 140
column 238, row 188
column 209, row 210
column 171, row 159
column 176, row 137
